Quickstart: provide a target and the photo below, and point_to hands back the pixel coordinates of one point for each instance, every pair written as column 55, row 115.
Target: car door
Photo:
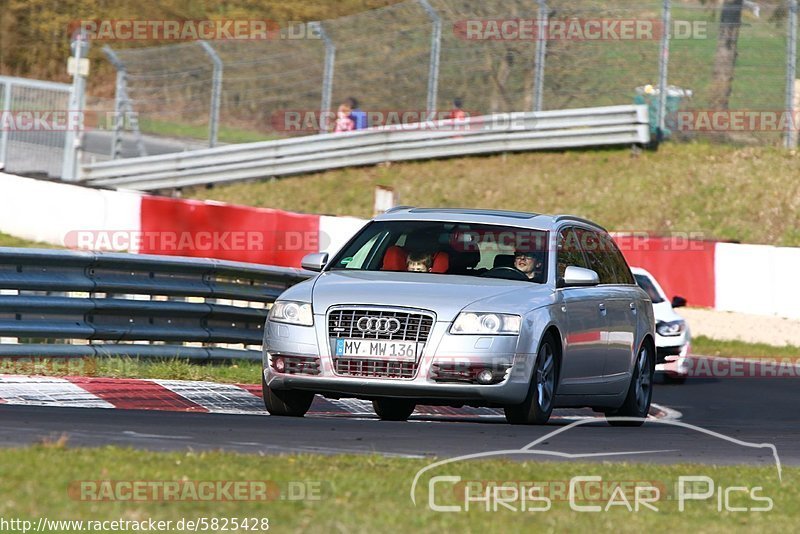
column 583, row 312
column 621, row 305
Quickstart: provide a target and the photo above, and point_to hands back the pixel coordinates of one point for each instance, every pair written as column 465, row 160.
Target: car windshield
column 647, row 284
column 448, row 248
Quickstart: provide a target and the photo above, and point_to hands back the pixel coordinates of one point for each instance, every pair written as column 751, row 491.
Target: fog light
column 279, row 364
column 485, row 377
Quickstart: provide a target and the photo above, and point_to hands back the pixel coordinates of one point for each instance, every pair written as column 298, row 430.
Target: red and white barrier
column 724, row 276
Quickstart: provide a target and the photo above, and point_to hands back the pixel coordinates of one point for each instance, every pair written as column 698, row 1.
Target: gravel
column 742, row 327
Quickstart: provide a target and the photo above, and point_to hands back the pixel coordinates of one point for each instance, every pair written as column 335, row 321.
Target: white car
column 673, row 338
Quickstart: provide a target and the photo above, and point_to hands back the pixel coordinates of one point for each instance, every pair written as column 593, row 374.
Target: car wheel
column 640, row 392
column 286, row 402
column 538, row 405
column 393, row 409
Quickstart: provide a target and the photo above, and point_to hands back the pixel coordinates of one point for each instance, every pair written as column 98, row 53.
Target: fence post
column 436, row 52
column 120, row 93
column 663, row 68
column 543, row 25
column 216, row 94
column 791, row 74
column 4, row 131
column 122, row 108
column 73, row 138
column 327, row 78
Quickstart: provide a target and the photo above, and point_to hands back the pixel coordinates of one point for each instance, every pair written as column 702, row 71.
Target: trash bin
column 649, row 96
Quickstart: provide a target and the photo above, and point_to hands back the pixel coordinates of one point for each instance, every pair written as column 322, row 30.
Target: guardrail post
column 4, row 131
column 791, row 75
column 663, row 68
column 327, row 77
column 433, row 66
column 216, row 94
column 541, row 54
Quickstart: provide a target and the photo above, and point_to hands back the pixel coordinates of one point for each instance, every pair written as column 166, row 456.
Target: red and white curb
column 212, row 397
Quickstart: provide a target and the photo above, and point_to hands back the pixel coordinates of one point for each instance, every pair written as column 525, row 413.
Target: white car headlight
column 486, row 323
column 287, row 311
column 671, row 328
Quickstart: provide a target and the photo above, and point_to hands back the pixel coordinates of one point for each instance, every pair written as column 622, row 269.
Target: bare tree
column 727, row 51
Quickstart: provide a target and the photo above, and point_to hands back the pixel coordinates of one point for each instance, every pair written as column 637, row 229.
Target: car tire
column 393, row 409
column 538, row 405
column 640, row 392
column 286, row 402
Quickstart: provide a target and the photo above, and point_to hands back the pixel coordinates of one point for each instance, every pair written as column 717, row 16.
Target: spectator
column 358, row 115
column 458, row 113
column 344, row 122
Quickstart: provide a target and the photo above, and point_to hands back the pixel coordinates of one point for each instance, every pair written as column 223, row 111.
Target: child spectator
column 343, row 121
column 419, row 262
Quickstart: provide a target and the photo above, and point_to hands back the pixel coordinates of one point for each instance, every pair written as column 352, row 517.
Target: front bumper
column 673, row 359
column 441, row 348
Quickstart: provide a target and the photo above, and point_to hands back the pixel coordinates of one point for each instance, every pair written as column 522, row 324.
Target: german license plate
column 366, row 348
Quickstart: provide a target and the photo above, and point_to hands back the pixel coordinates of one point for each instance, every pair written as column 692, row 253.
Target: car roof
column 486, row 216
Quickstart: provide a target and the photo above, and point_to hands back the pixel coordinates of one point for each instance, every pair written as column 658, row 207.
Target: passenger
column 419, row 262
column 529, row 263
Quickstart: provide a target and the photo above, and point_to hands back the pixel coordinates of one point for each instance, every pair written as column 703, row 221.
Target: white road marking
column 47, row 391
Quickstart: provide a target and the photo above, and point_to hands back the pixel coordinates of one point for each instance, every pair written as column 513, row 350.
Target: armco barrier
column 477, row 135
column 123, row 304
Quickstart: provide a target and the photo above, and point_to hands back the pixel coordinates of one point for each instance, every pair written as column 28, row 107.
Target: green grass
column 739, row 349
column 371, row 493
column 237, row 372
column 226, row 134
column 249, row 372
column 11, row 241
column 747, row 194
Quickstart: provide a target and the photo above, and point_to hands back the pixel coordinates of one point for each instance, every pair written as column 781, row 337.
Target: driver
column 529, row 263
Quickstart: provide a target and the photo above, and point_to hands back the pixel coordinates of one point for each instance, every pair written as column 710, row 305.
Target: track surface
column 759, row 410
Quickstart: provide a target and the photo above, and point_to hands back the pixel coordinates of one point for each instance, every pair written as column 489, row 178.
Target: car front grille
column 374, row 368
column 414, row 326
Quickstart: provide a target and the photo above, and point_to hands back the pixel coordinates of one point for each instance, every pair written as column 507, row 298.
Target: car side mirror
column 314, row 262
column 678, row 302
column 579, row 277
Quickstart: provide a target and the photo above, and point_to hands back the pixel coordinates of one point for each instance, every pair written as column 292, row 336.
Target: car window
column 569, row 251
column 621, row 269
column 456, row 248
column 596, row 251
column 647, row 284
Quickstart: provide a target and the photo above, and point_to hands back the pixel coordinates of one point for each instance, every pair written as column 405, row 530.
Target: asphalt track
column 753, row 410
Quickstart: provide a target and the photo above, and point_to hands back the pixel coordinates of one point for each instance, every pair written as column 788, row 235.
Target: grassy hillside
column 11, row 241
column 34, row 34
column 746, row 194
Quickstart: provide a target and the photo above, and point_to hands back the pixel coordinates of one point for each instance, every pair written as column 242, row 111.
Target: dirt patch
column 742, row 327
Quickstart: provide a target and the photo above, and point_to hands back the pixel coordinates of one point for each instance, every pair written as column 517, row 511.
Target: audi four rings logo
column 378, row 325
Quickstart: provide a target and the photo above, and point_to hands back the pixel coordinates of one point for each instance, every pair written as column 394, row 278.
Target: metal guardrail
column 478, row 135
column 130, row 305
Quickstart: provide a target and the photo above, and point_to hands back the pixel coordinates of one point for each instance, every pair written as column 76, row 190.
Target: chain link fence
column 416, row 57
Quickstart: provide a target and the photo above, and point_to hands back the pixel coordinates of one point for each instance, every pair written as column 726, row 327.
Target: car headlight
column 287, row 311
column 486, row 323
column 671, row 328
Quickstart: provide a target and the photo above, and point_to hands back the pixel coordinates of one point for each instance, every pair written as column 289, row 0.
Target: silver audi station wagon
column 457, row 307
